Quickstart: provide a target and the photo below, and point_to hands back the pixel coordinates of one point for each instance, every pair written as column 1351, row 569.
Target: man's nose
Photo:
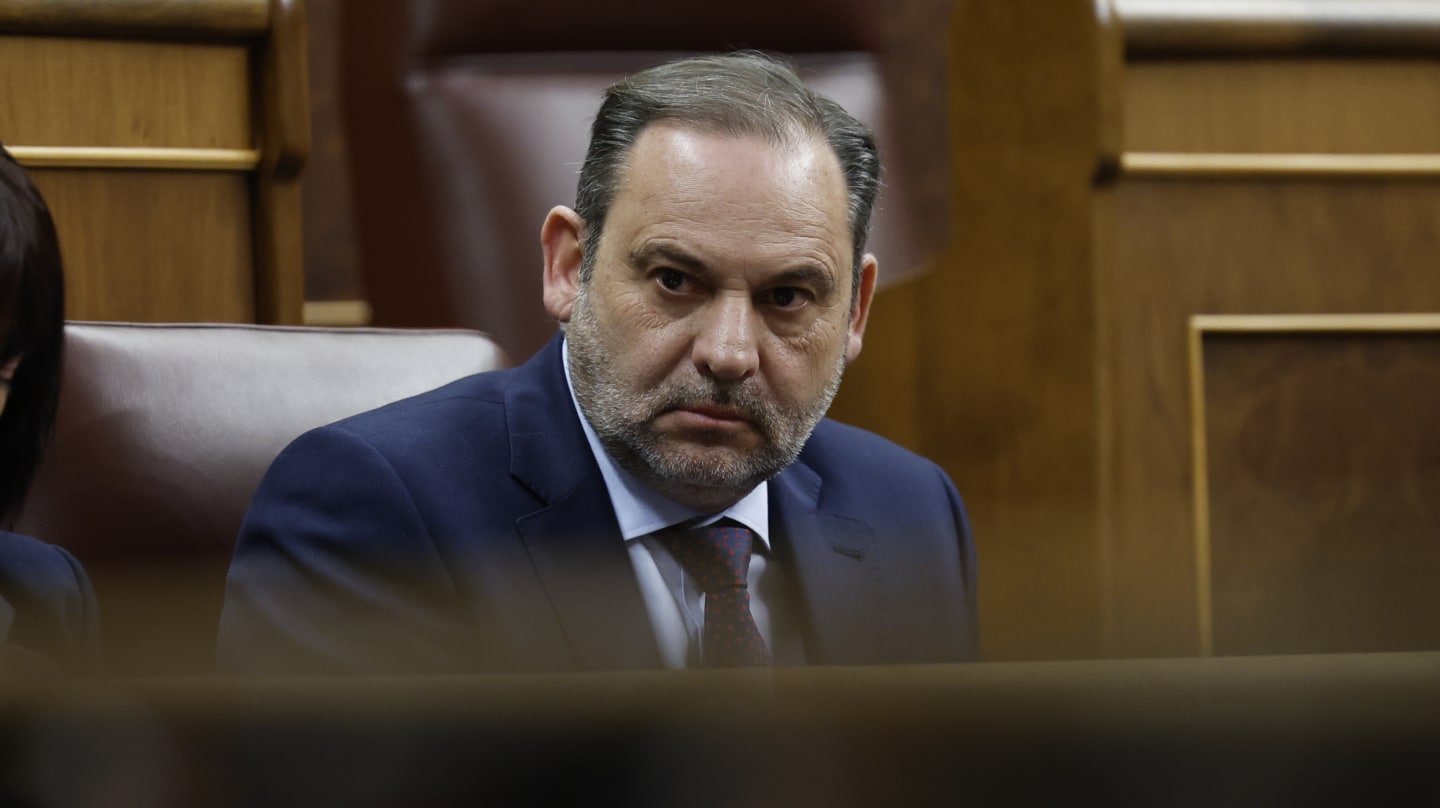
column 726, row 346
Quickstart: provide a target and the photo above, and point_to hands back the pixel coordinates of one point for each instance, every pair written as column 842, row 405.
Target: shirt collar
column 641, row 510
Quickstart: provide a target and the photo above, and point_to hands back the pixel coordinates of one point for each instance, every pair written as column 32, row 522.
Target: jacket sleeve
column 82, row 617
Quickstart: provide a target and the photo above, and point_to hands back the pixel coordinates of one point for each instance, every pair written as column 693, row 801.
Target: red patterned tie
column 718, row 558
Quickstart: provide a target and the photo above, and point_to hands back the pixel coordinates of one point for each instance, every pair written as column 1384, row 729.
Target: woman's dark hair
column 32, row 323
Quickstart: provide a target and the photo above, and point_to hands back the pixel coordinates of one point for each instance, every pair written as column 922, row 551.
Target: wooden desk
column 1339, row 730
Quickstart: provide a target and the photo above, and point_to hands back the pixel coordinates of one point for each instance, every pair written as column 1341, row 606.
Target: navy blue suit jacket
column 468, row 529
column 48, row 616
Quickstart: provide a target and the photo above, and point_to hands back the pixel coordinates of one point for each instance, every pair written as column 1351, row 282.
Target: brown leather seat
column 162, row 436
column 468, row 119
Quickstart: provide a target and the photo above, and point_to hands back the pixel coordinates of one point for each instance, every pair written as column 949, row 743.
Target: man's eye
column 787, row 297
column 671, row 279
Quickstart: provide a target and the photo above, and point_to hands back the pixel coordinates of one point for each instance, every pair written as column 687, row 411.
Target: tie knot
column 717, row 557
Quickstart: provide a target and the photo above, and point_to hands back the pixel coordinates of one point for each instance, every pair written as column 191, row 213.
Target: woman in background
column 48, row 616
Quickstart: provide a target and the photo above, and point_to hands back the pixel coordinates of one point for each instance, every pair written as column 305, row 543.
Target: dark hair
column 32, row 323
column 739, row 94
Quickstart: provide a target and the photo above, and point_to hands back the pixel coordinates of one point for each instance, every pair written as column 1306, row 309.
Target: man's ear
column 869, row 270
column 562, row 241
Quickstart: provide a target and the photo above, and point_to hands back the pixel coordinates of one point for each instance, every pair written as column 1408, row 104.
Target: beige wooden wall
column 167, row 139
column 1160, row 210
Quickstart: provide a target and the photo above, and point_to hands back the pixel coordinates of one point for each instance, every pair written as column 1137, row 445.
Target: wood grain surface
column 87, row 92
column 200, row 19
column 126, row 258
column 1324, row 490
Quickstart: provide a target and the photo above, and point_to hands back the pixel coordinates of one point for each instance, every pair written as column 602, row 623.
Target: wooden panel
column 336, row 313
column 1323, row 455
column 126, row 258
column 332, row 259
column 1304, row 106
column 71, row 92
column 199, row 86
column 1237, row 166
column 285, row 136
column 1172, row 249
column 1292, row 177
column 882, row 388
column 1007, row 324
column 1279, row 27
column 135, row 157
column 210, row 18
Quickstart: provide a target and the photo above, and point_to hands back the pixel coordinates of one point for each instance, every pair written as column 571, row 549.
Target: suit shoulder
column 420, row 438
column 29, row 567
column 487, row 387
column 53, row 618
column 863, row 471
column 835, row 445
column 433, row 416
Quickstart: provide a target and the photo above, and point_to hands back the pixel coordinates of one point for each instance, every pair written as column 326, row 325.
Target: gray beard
column 624, row 422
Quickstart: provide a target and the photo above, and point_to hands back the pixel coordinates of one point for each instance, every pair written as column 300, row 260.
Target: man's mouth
column 714, row 412
column 711, row 416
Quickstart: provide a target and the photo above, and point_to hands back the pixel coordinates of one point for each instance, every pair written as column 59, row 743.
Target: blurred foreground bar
column 1299, row 730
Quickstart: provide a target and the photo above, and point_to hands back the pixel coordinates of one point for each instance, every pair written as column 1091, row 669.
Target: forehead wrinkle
column 807, row 163
column 790, row 201
column 800, row 228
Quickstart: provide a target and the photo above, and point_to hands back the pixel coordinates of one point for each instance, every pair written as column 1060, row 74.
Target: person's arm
column 82, row 617
column 335, row 572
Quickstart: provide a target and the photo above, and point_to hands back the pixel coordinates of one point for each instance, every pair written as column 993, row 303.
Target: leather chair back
column 162, row 436
column 467, row 120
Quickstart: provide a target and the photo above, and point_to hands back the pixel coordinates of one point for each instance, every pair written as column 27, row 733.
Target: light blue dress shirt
column 675, row 604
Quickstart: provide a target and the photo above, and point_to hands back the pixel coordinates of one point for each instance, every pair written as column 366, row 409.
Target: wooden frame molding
column 1167, row 165
column 1205, row 610
column 1173, row 27
column 137, row 158
column 1313, row 323
column 1200, row 325
column 285, row 145
column 1109, row 92
column 222, row 18
column 241, row 68
column 337, row 313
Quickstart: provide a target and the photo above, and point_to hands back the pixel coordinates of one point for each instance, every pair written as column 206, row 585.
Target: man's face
column 712, row 335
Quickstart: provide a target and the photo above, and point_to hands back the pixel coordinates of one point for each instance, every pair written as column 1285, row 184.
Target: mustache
column 747, row 402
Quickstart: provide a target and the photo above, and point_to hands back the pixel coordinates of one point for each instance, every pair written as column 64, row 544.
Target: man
column 712, row 285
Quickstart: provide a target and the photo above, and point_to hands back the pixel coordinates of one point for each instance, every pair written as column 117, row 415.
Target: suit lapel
column 836, row 568
column 574, row 540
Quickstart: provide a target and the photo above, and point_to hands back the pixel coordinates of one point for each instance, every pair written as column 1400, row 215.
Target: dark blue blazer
column 469, row 529
column 49, row 620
